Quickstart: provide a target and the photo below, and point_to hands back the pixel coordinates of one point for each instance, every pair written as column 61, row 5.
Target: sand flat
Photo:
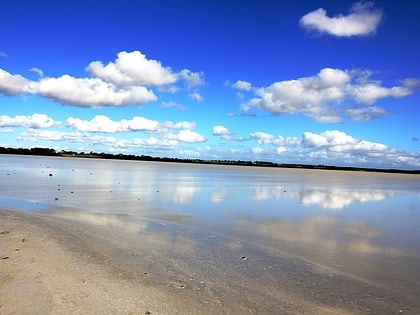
column 40, row 275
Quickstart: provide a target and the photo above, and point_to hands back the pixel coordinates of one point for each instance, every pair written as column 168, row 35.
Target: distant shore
column 52, row 152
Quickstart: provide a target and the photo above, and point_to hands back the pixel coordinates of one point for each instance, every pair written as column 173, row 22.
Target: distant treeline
column 63, row 153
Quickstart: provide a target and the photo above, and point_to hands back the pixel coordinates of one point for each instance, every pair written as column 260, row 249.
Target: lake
column 313, row 233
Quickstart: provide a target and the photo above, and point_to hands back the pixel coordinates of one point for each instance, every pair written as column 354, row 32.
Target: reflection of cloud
column 161, row 239
column 103, row 219
column 218, row 196
column 184, row 194
column 334, row 198
column 340, row 198
column 267, row 192
column 357, row 228
column 325, row 233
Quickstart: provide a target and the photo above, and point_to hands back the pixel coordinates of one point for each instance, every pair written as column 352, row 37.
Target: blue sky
column 316, row 82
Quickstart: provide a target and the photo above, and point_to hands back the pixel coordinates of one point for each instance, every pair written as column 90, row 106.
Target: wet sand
column 53, row 265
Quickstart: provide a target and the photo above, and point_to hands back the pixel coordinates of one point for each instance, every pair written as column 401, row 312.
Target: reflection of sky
column 214, row 195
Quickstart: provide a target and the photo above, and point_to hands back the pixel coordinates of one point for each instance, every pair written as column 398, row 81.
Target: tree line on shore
column 120, row 156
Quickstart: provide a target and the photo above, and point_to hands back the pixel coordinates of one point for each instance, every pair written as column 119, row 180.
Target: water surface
column 354, row 224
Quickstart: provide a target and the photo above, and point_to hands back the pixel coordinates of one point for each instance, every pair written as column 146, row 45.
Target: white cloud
column 327, row 139
column 334, row 147
column 257, row 150
column 262, row 137
column 242, row 85
column 127, row 81
column 11, row 84
column 180, row 125
column 90, row 92
column 192, row 79
column 363, row 19
column 370, row 93
column 140, row 124
column 338, row 141
column 281, row 150
column 133, row 68
column 266, row 138
column 318, row 96
column 220, row 130
column 34, row 135
column 366, row 113
column 196, row 97
column 34, row 121
column 173, row 105
column 187, row 136
column 101, row 123
column 37, row 71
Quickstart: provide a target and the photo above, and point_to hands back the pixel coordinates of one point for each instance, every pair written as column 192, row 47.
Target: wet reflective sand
column 230, row 240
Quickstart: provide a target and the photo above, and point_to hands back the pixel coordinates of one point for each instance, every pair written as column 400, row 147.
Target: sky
column 313, row 82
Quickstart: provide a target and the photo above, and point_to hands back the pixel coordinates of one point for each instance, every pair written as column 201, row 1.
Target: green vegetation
column 52, row 152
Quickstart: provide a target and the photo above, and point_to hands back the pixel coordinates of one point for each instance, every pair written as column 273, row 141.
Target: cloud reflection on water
column 336, row 198
column 327, row 234
column 154, row 234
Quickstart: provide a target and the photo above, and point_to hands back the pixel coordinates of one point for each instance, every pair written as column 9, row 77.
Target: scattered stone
column 4, row 232
column 56, row 198
column 244, row 258
column 50, row 174
column 24, row 240
column 5, row 257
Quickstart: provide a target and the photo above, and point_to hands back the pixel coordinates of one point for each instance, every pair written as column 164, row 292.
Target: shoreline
column 259, row 164
column 60, row 266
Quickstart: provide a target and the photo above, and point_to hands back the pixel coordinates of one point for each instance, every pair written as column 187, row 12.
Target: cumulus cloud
column 31, row 121
column 220, row 130
column 334, row 147
column 266, row 138
column 129, row 80
column 242, row 85
column 12, row 84
column 192, row 79
column 102, row 123
column 363, row 19
column 338, row 141
column 90, row 92
column 366, row 113
column 133, row 68
column 187, row 136
column 318, row 96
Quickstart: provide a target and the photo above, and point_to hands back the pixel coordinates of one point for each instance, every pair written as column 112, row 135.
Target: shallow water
column 361, row 225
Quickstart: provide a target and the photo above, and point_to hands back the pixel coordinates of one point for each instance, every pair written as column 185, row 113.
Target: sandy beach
column 52, row 265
